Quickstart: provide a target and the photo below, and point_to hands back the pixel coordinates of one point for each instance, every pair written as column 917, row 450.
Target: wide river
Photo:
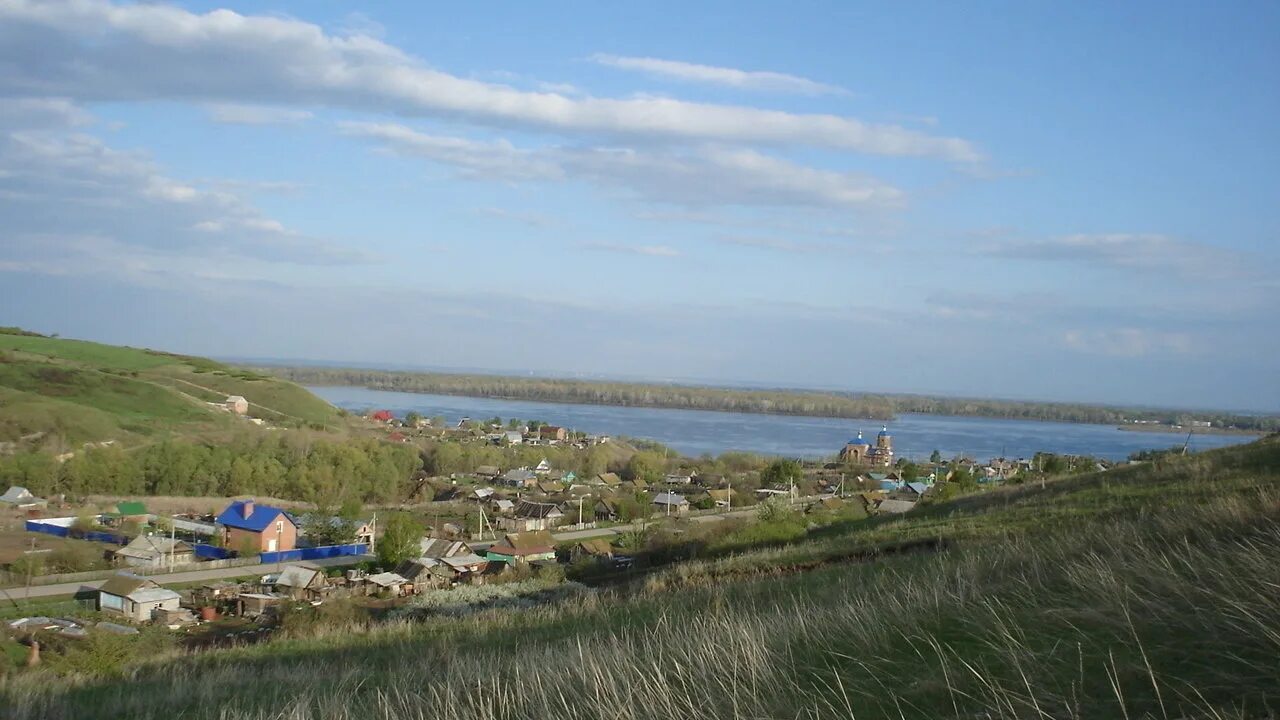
column 695, row 432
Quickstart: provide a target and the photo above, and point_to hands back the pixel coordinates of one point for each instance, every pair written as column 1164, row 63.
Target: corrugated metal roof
column 147, row 595
column 261, row 517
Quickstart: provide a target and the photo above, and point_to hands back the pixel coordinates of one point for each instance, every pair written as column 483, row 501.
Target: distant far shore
column 1182, row 430
column 812, row 403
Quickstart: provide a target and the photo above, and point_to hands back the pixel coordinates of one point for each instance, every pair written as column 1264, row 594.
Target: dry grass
column 1139, row 608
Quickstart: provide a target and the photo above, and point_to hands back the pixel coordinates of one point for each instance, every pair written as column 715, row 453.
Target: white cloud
column 62, row 183
column 713, row 75
column 235, row 114
column 703, row 176
column 97, row 50
column 1127, row 342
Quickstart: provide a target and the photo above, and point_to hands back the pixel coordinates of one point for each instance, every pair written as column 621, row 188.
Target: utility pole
column 173, row 530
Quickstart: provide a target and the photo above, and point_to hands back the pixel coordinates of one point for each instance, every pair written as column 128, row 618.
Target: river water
column 695, row 432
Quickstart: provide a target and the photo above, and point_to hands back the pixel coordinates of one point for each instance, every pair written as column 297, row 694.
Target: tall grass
column 1162, row 611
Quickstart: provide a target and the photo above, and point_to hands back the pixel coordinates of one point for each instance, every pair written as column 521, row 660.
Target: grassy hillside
column 1149, row 591
column 83, row 391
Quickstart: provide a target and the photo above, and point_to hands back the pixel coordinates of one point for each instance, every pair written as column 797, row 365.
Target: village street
column 20, row 593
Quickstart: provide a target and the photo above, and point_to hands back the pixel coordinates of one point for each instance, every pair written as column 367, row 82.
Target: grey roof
column 149, row 547
column 669, row 499
column 895, row 506
column 919, row 487
column 296, row 576
column 440, row 548
column 146, row 595
column 386, row 579
column 528, row 509
column 123, row 584
column 464, row 560
column 518, row 475
column 19, row 495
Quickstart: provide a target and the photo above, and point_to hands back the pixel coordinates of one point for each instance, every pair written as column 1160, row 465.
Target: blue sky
column 1074, row 202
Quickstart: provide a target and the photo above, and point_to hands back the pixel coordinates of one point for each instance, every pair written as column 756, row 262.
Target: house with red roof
column 382, row 416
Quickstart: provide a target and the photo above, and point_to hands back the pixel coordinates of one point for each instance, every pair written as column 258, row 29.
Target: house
column 543, row 467
column 564, row 476
column 606, row 509
column 466, row 565
column 237, row 404
column 439, row 548
column 519, row 478
column 608, row 479
column 503, row 506
column 386, row 582
column 512, row 437
column 382, row 416
column 591, row 548
column 553, row 433
column 301, row 583
column 481, row 493
column 426, row 573
column 155, row 551
column 22, row 498
column 671, row 503
column 638, row 483
column 679, row 479
column 134, row 597
column 488, row 472
column 523, row 547
column 533, row 516
column 551, row 487
column 722, row 497
column 252, row 605
column 912, row 491
column 247, row 525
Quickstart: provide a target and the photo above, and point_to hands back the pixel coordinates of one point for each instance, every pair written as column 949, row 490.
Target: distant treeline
column 289, row 466
column 780, row 402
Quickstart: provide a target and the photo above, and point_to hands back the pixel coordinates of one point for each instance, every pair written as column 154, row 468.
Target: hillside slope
column 1149, row 591
column 81, row 391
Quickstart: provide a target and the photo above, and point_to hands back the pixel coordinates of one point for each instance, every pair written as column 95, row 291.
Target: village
column 235, row 571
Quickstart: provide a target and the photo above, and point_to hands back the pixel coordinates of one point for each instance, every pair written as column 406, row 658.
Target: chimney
column 247, row 508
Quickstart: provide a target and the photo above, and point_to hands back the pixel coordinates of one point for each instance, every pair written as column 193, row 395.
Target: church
column 860, row 452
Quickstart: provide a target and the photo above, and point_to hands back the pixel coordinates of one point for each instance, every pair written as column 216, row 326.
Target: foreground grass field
column 1149, row 591
column 87, row 392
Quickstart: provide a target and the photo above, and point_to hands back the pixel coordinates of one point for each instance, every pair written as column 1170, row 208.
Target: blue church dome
column 884, row 432
column 858, row 440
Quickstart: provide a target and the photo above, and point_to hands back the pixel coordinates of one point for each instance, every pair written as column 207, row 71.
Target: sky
column 1072, row 201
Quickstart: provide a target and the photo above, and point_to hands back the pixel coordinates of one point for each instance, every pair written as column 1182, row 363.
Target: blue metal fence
column 61, row 531
column 314, row 553
column 211, row 552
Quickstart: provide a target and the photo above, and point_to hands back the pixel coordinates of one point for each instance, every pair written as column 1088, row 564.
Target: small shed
column 386, row 582
column 136, row 598
column 237, row 404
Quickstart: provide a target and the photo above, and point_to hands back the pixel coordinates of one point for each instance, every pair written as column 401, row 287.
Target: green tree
column 400, row 540
column 412, row 417
column 646, row 466
column 782, row 472
column 909, row 471
column 935, row 457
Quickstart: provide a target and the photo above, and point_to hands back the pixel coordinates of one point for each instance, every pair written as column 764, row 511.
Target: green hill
column 1143, row 592
column 88, row 392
